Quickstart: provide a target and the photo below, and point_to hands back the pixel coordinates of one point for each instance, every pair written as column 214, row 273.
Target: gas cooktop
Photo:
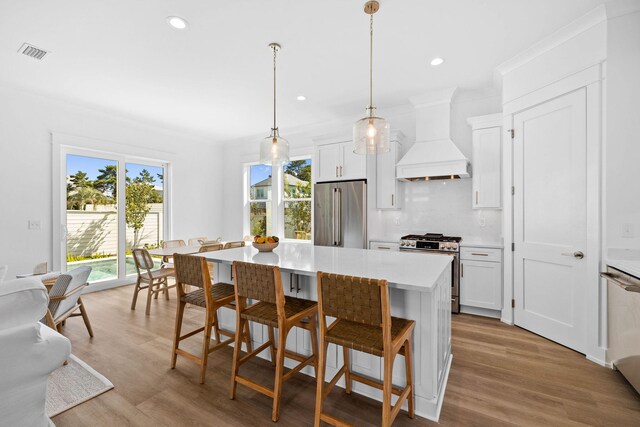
column 430, row 241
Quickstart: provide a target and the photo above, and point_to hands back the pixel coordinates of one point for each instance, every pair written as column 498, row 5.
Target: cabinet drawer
column 384, row 246
column 481, row 254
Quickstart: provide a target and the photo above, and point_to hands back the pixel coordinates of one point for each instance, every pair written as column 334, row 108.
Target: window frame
column 277, row 199
column 284, row 200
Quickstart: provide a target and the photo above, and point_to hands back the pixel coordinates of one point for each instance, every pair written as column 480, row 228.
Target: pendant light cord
column 371, row 66
column 275, row 50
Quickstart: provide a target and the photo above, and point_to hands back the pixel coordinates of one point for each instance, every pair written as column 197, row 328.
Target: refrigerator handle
column 339, row 192
column 333, row 218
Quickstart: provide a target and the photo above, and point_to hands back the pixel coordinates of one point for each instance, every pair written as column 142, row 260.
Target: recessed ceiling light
column 301, row 98
column 177, row 22
column 437, row 61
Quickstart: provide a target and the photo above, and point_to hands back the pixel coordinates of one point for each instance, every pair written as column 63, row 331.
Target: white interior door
column 550, row 213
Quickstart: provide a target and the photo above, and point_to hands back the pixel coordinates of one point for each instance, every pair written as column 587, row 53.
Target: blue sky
column 261, row 172
column 90, row 166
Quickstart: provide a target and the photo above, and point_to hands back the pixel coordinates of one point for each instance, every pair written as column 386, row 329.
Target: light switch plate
column 628, row 231
column 34, row 224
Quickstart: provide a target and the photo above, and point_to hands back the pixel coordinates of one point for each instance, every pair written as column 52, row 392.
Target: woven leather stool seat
column 362, row 337
column 219, row 291
column 267, row 313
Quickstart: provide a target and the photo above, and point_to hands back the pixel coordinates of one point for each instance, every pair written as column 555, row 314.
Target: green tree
column 138, row 197
column 146, row 177
column 80, row 197
column 107, row 181
column 79, row 180
column 300, row 169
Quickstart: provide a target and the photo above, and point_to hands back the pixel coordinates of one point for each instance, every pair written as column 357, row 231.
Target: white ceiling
column 214, row 78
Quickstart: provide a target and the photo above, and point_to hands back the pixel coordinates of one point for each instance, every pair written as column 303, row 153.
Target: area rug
column 72, row 384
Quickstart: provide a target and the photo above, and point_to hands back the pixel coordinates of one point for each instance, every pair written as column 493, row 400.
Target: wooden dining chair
column 362, row 322
column 155, row 281
column 195, row 241
column 65, row 298
column 263, row 283
column 167, row 261
column 231, row 245
column 192, row 271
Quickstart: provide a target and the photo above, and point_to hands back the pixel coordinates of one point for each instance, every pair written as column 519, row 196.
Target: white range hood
column 434, row 155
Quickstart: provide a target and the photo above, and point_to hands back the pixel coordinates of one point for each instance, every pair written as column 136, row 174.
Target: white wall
column 26, row 121
column 443, row 206
column 623, row 131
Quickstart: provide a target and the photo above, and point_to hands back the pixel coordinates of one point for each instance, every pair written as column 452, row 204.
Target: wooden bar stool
column 364, row 323
column 273, row 309
column 193, row 271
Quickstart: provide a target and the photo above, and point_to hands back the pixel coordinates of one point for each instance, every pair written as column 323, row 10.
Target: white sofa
column 29, row 352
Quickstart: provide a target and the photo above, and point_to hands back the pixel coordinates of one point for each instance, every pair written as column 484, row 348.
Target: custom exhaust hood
column 434, row 155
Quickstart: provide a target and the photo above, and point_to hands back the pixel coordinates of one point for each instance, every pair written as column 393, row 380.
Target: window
column 260, row 185
column 108, row 204
column 280, row 200
column 296, row 177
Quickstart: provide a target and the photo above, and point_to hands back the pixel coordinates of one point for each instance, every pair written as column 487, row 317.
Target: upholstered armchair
column 29, row 352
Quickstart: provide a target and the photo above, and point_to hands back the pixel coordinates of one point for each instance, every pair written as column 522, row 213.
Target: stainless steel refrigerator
column 340, row 214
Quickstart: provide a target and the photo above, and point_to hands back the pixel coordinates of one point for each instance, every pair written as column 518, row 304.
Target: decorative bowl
column 265, row 247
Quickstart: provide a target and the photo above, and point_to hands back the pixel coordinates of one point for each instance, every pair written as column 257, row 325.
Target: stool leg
column 236, row 355
column 216, row 332
column 247, row 335
column 277, row 388
column 314, row 343
column 176, row 334
column 408, row 361
column 206, row 344
column 166, row 288
column 157, row 290
column 386, row 389
column 272, row 348
column 347, row 374
column 320, row 381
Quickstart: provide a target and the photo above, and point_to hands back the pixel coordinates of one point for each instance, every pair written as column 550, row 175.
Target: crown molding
column 580, row 25
column 441, row 96
column 616, row 9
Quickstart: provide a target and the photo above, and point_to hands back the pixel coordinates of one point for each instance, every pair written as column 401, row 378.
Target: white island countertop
column 411, row 271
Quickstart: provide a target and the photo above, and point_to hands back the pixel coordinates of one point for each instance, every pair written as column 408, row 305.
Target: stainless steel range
column 440, row 244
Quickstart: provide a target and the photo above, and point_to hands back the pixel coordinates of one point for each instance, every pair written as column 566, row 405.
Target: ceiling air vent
column 32, row 51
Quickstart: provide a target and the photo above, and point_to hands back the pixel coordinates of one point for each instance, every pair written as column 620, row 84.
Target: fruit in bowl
column 265, row 243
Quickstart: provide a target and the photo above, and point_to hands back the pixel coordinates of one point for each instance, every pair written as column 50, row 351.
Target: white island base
column 420, row 290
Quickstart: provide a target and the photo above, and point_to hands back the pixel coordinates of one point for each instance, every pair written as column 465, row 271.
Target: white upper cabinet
column 487, row 161
column 388, row 188
column 337, row 162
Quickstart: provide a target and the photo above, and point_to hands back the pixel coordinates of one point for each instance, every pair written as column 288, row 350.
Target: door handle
column 461, row 270
column 340, row 170
column 384, row 247
column 477, row 197
column 336, row 171
column 392, row 200
column 290, row 282
column 576, row 254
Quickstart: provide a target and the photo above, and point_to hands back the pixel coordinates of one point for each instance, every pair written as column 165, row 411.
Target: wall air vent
column 32, row 51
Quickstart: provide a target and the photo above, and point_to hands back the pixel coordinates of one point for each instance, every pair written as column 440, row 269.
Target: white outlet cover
column 34, row 224
column 628, row 231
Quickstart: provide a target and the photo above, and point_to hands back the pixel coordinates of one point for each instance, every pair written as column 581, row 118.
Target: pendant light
column 274, row 150
column 371, row 133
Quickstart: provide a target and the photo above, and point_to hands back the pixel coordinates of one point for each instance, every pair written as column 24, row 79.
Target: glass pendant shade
column 371, row 136
column 274, row 150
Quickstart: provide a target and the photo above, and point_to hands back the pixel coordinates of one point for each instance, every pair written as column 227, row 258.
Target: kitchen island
column 419, row 288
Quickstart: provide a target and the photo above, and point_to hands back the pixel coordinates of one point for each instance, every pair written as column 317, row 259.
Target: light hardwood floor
column 501, row 375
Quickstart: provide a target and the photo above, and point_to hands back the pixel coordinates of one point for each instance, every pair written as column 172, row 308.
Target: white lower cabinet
column 481, row 278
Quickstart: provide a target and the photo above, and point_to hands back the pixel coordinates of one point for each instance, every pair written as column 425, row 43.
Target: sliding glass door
column 113, row 204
